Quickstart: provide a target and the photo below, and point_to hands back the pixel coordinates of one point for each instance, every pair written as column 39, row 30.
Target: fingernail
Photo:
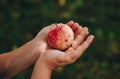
column 85, row 28
column 92, row 36
column 80, row 27
column 72, row 21
column 87, row 32
column 77, row 24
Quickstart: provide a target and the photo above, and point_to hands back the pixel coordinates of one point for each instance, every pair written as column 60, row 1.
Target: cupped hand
column 40, row 41
column 53, row 58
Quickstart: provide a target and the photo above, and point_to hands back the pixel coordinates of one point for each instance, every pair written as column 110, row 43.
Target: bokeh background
column 21, row 20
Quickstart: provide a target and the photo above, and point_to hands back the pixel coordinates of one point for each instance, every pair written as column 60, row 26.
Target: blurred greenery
column 21, row 20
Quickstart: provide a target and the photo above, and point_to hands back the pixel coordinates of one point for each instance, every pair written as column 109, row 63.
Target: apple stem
column 56, row 25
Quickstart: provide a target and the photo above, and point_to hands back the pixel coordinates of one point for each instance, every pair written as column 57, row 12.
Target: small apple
column 60, row 36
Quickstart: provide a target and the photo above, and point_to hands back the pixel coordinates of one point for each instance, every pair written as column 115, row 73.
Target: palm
column 53, row 57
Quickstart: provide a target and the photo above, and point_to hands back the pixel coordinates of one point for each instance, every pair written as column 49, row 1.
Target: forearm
column 19, row 59
column 41, row 71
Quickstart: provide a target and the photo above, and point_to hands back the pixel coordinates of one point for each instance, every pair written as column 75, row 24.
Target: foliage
column 21, row 20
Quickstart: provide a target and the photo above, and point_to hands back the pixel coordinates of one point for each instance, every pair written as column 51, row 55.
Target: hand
column 53, row 58
column 40, row 41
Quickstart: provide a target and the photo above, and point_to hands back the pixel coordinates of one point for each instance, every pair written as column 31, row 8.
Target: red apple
column 60, row 36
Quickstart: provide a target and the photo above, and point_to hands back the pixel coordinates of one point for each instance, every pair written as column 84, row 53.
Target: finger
column 78, row 31
column 67, row 58
column 45, row 31
column 70, row 23
column 75, row 27
column 51, row 26
column 71, row 54
column 80, row 38
column 69, row 50
column 80, row 49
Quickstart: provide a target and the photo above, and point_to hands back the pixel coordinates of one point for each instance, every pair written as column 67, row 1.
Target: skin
column 51, row 59
column 13, row 62
column 45, row 58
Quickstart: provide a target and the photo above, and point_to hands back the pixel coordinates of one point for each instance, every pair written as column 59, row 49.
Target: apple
column 60, row 36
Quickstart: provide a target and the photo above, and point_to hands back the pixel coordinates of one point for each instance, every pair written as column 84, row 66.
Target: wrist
column 39, row 45
column 36, row 46
column 41, row 71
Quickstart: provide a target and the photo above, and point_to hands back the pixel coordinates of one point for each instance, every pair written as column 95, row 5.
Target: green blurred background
column 21, row 20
